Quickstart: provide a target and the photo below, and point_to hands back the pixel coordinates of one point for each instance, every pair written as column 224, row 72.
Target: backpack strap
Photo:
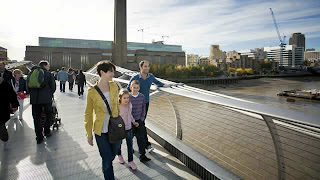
column 104, row 99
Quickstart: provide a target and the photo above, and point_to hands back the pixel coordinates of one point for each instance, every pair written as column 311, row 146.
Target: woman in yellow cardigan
column 100, row 124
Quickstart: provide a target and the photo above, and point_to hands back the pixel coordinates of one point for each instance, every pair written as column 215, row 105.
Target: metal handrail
column 304, row 123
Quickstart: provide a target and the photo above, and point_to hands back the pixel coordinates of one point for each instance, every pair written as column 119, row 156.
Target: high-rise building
column 293, row 55
column 216, row 53
column 297, row 39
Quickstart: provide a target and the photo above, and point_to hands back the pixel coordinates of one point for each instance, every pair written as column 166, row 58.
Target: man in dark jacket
column 4, row 73
column 81, row 81
column 8, row 96
column 42, row 98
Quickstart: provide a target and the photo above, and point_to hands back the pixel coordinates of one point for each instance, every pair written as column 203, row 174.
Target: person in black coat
column 42, row 98
column 81, row 81
column 4, row 73
column 9, row 102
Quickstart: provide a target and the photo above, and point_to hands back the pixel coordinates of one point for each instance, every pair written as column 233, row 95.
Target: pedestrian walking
column 80, row 81
column 63, row 78
column 99, row 126
column 20, row 86
column 9, row 104
column 126, row 115
column 41, row 96
column 146, row 79
column 71, row 78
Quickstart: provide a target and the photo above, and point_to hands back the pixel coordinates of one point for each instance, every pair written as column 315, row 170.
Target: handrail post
column 177, row 116
column 277, row 145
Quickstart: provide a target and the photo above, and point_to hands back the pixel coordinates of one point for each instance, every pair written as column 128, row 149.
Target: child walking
column 125, row 113
column 138, row 112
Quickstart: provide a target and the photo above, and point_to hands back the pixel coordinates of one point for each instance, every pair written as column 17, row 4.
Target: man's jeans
column 62, row 86
column 129, row 145
column 107, row 152
column 147, row 143
column 36, row 113
column 80, row 89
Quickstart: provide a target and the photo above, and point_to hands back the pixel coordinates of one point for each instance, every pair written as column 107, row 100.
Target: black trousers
column 62, row 86
column 4, row 133
column 71, row 85
column 147, row 143
column 36, row 113
column 80, row 89
column 140, row 135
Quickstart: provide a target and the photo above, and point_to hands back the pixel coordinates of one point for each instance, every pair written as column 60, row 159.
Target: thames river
column 265, row 91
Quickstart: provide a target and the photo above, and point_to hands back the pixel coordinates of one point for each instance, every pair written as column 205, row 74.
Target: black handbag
column 116, row 128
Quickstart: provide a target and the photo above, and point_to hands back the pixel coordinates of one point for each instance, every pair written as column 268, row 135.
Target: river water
column 265, row 91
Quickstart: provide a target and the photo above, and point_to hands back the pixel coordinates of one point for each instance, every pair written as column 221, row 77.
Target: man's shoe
column 48, row 134
column 39, row 141
column 144, row 158
column 149, row 148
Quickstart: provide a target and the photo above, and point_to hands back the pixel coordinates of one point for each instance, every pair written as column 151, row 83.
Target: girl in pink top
column 125, row 113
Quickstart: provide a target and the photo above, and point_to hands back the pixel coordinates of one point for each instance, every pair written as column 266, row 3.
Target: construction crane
column 282, row 41
column 142, row 33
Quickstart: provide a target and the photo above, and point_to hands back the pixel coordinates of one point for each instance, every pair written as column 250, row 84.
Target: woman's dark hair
column 80, row 71
column 105, row 66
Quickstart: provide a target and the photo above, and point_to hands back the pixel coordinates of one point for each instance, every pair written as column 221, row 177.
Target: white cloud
column 192, row 24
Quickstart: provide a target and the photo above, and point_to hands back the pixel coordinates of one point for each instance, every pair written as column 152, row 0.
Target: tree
column 307, row 63
column 266, row 65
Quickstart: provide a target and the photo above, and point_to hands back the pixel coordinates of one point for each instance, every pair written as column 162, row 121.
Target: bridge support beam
column 177, row 116
column 277, row 145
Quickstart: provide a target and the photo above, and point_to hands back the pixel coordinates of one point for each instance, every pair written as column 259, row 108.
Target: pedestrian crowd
column 104, row 103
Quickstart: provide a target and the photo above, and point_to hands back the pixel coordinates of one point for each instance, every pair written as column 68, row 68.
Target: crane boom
column 276, row 25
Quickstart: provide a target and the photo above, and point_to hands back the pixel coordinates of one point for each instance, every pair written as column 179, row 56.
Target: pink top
column 125, row 113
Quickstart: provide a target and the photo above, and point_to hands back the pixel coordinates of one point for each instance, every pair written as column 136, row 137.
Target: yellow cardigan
column 95, row 102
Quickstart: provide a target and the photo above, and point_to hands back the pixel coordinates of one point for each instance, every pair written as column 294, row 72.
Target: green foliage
column 307, row 63
column 23, row 69
column 266, row 65
column 180, row 72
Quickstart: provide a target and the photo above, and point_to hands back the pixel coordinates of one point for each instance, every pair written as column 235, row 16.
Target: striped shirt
column 138, row 107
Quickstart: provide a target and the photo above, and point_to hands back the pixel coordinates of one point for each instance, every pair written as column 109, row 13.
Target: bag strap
column 104, row 99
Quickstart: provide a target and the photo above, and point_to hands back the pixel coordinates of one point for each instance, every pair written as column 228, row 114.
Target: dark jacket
column 22, row 85
column 8, row 96
column 71, row 76
column 7, row 75
column 43, row 95
column 81, row 79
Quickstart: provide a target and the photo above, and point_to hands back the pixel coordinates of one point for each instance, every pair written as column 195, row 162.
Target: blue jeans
column 107, row 152
column 62, row 86
column 129, row 145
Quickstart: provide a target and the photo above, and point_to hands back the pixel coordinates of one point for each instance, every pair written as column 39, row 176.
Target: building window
column 84, row 60
column 66, row 58
column 48, row 57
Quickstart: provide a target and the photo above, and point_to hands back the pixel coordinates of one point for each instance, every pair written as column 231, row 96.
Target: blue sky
column 194, row 24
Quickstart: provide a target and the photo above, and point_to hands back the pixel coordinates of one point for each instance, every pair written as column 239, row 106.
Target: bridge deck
column 67, row 155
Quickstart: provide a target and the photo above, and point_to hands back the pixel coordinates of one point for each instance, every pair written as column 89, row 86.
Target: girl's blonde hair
column 17, row 71
column 122, row 92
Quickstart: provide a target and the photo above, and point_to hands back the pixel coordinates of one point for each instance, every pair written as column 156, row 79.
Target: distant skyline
column 194, row 24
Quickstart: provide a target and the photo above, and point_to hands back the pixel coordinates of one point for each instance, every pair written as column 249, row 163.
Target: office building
column 3, row 54
column 216, row 53
column 82, row 54
column 193, row 59
column 298, row 40
column 292, row 55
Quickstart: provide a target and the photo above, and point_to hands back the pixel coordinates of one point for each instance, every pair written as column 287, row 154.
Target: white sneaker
column 150, row 148
column 5, row 145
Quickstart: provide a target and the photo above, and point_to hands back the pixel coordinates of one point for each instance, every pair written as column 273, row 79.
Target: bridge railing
column 254, row 141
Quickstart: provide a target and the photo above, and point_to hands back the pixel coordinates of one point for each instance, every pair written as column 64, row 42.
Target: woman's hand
column 90, row 141
column 135, row 124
